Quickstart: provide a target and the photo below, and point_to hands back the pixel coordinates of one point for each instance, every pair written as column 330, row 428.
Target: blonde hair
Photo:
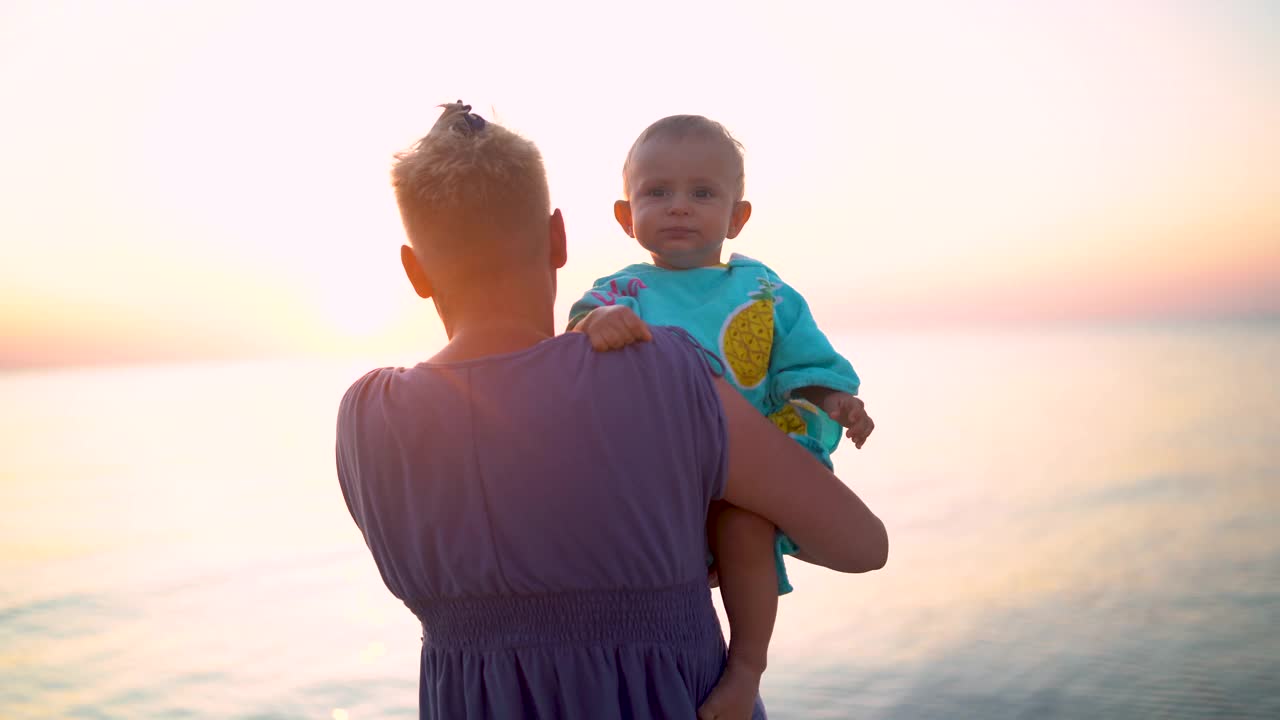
column 469, row 185
column 679, row 127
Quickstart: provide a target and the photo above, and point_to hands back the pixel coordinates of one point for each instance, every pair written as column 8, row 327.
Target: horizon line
column 1133, row 322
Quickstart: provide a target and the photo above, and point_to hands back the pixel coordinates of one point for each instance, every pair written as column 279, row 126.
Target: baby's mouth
column 678, row 231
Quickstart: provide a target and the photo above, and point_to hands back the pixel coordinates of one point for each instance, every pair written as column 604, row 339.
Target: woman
column 539, row 506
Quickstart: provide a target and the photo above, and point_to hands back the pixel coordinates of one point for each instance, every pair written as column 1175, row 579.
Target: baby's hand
column 610, row 327
column 850, row 412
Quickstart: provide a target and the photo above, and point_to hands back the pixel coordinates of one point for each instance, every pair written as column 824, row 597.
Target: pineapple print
column 746, row 340
column 789, row 421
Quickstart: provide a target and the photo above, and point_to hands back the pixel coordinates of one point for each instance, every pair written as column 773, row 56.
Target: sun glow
column 902, row 164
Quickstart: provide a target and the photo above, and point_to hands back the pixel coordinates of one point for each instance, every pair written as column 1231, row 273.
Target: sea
column 1084, row 523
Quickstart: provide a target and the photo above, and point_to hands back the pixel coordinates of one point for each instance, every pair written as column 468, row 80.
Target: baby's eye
column 702, row 193
column 656, row 192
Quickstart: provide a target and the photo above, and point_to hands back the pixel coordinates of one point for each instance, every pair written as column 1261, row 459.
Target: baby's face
column 682, row 194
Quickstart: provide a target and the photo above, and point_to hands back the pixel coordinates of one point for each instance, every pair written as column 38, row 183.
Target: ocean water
column 1083, row 523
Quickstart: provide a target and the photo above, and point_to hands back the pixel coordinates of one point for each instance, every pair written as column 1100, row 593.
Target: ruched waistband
column 680, row 615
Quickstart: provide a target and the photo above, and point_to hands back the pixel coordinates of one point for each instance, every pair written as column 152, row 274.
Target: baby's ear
column 622, row 213
column 741, row 214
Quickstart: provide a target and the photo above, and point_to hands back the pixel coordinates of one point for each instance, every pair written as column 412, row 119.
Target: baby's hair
column 678, row 127
column 469, row 178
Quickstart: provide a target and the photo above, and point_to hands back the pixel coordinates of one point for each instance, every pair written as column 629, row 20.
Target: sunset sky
column 208, row 180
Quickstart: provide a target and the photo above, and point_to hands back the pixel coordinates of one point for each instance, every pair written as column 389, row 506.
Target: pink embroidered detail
column 633, row 288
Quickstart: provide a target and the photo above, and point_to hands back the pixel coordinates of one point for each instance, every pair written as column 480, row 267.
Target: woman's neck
column 481, row 337
column 504, row 312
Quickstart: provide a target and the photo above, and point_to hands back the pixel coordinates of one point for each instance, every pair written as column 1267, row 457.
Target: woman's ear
column 559, row 243
column 413, row 269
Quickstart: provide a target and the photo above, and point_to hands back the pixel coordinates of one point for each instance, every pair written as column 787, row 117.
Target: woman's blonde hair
column 467, row 182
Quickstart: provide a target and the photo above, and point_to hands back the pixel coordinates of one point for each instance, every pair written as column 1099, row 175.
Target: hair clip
column 474, row 122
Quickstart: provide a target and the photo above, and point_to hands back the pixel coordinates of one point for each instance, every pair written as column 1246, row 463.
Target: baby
column 684, row 182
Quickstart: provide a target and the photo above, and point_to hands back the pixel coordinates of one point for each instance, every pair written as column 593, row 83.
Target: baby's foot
column 734, row 697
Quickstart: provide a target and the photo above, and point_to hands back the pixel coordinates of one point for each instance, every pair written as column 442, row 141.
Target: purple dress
column 542, row 513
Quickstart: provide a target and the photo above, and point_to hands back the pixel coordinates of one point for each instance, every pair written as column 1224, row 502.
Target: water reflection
column 1053, row 545
column 1082, row 525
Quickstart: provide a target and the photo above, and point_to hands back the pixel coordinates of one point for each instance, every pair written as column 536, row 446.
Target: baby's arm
column 805, row 365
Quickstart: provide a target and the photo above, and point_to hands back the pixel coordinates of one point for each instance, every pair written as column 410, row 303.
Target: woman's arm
column 773, row 477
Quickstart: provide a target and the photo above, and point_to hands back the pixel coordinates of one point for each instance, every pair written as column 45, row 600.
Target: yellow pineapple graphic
column 746, row 340
column 789, row 421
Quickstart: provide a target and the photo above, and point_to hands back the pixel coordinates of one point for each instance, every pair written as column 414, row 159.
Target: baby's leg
column 742, row 543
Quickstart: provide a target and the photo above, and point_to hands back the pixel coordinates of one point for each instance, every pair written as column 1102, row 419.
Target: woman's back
column 543, row 514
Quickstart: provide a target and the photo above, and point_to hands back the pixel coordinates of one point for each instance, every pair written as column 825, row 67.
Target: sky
column 210, row 180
